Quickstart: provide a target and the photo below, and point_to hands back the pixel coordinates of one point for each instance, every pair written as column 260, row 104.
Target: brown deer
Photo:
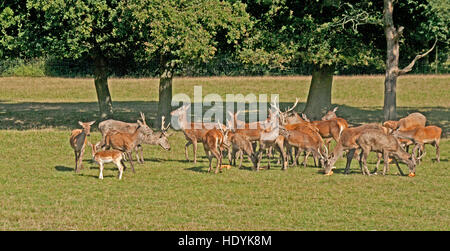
column 194, row 132
column 308, row 140
column 329, row 129
column 347, row 142
column 240, row 144
column 126, row 142
column 119, row 126
column 108, row 156
column 421, row 136
column 411, row 121
column 376, row 140
column 214, row 142
column 78, row 140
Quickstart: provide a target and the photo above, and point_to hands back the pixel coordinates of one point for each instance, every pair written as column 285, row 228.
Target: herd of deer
column 282, row 131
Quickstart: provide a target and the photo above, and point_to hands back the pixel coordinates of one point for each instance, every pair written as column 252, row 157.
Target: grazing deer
column 347, row 142
column 240, row 144
column 378, row 141
column 78, row 142
column 421, row 136
column 126, row 142
column 119, row 126
column 108, row 156
column 214, row 142
column 307, row 140
column 194, row 132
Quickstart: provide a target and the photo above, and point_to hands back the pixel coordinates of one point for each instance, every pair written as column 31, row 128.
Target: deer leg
column 379, row 156
column 80, row 157
column 76, row 162
column 119, row 165
column 100, row 176
column 210, row 160
column 350, row 154
column 131, row 161
column 436, row 144
column 398, row 166
column 365, row 169
column 386, row 162
column 186, row 150
column 305, row 160
column 241, row 157
column 194, row 144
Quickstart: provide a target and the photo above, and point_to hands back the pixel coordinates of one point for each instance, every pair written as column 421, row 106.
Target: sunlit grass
column 39, row 189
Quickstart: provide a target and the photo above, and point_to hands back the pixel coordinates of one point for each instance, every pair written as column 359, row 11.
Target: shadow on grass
column 40, row 115
column 64, row 169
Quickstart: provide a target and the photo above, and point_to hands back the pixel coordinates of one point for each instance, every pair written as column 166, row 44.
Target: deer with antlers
column 126, row 142
column 194, row 132
column 119, row 126
column 78, row 140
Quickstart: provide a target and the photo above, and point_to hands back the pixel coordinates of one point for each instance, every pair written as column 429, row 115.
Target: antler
column 163, row 129
column 143, row 117
column 274, row 105
column 295, row 104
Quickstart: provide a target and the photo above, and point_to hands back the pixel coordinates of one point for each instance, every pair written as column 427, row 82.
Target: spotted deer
column 108, row 156
column 126, row 142
column 78, row 140
column 119, row 126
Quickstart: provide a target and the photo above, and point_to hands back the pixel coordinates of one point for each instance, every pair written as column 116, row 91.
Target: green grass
column 39, row 189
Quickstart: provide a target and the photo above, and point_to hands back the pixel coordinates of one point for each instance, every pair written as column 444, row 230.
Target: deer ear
column 91, row 123
column 139, row 122
column 335, row 109
column 80, row 123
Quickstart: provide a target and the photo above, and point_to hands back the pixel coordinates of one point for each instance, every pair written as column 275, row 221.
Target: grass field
column 39, row 189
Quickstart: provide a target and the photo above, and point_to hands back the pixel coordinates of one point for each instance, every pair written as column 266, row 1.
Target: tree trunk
column 165, row 97
column 101, row 86
column 392, row 57
column 319, row 96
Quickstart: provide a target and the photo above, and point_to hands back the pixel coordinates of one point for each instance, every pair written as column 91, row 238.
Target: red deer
column 119, row 126
column 271, row 138
column 214, row 142
column 308, row 140
column 411, row 121
column 347, row 142
column 78, row 142
column 194, row 132
column 126, row 142
column 378, row 141
column 421, row 136
column 240, row 144
column 328, row 129
column 108, row 156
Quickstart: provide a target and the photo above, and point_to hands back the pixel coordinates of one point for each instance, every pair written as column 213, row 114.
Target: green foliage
column 318, row 33
column 177, row 33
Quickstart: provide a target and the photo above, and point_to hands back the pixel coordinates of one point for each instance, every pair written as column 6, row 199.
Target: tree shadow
column 40, row 115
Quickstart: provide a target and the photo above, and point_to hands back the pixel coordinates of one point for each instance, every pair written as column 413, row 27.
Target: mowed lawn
column 39, row 189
